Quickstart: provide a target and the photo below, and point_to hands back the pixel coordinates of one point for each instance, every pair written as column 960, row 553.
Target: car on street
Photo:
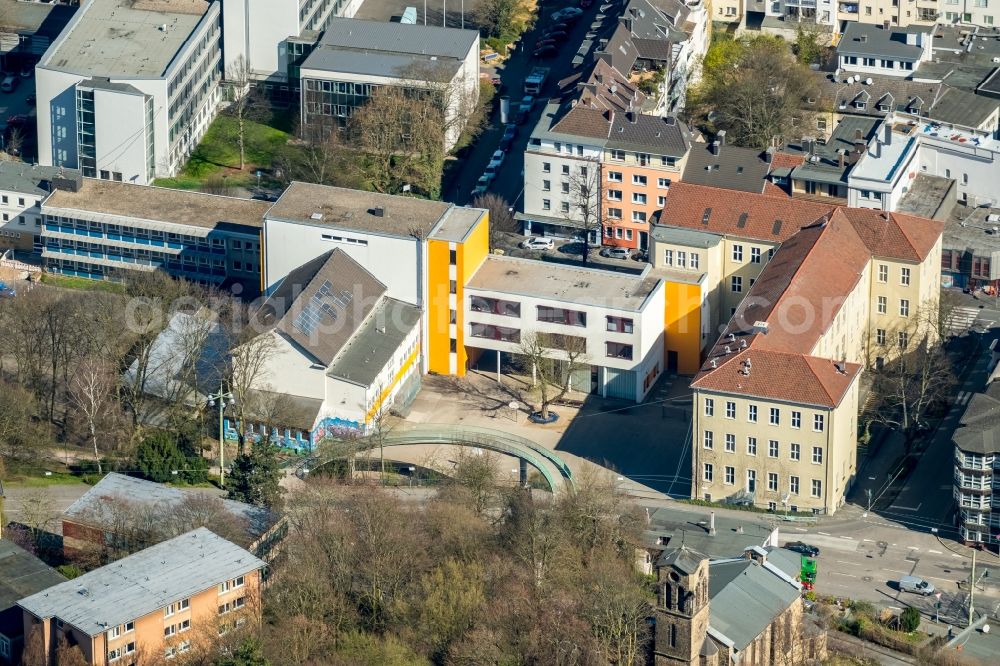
column 547, row 51
column 616, row 252
column 545, row 41
column 916, row 585
column 481, row 186
column 10, row 83
column 497, row 158
column 537, row 244
column 509, row 132
column 566, row 15
column 558, row 26
column 556, row 36
column 524, row 110
column 802, row 548
column 490, row 173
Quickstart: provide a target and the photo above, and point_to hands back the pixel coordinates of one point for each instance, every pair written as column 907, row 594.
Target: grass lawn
column 69, row 282
column 218, row 154
column 56, row 479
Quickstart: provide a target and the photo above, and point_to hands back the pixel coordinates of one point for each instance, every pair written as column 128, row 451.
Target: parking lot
column 16, row 104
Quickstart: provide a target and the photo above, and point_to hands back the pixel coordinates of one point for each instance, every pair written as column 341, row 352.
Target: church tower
column 681, row 607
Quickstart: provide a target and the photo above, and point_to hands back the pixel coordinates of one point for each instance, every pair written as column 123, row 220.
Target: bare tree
column 585, row 204
column 15, row 142
column 552, row 359
column 248, row 360
column 501, row 216
column 91, row 392
column 239, row 91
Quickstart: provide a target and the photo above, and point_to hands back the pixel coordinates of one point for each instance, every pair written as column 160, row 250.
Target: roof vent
column 707, row 214
column 743, row 344
column 727, row 350
column 316, row 216
column 841, row 367
column 732, row 337
column 379, row 211
column 760, row 327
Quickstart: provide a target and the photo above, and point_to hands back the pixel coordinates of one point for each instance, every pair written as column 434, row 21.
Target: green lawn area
column 41, row 481
column 218, row 154
column 69, row 282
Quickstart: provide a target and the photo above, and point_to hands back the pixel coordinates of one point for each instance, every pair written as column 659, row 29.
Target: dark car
column 802, row 548
column 547, row 51
column 556, row 36
column 509, row 132
column 558, row 26
column 542, row 43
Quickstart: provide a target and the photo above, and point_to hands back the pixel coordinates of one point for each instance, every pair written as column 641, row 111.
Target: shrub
column 909, row 621
column 70, row 571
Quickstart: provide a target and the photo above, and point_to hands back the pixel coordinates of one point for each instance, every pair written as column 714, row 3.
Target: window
column 618, row 155
column 668, row 257
column 751, row 446
column 565, row 188
column 546, row 204
column 903, row 339
column 817, row 488
column 663, row 183
column 904, row 307
column 818, row 422
column 619, row 325
column 546, row 186
column 817, row 455
column 614, row 195
column 775, row 416
column 708, row 472
column 796, row 419
column 638, row 180
column 638, row 216
column 5, row 652
column 904, row 277
column 119, row 652
column 694, row 260
column 708, row 441
column 564, row 206
column 737, row 253
column 561, row 316
column 730, row 443
column 880, row 336
column 730, row 409
column 752, row 413
column 737, row 284
column 615, row 176
column 618, row 350
column 565, row 169
column 751, row 480
column 668, row 161
column 546, row 167
column 755, row 255
column 709, row 407
column 772, row 481
column 638, row 198
column 793, row 485
column 231, row 585
column 772, row 448
column 795, row 451
column 883, row 273
column 730, row 478
column 881, row 304
column 615, row 213
column 681, row 259
column 661, row 201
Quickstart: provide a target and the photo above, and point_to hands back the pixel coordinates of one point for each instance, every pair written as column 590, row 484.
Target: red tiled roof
column 781, row 160
column 773, row 190
column 762, row 217
column 894, row 235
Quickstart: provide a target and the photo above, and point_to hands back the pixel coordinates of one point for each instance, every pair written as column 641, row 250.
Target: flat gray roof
column 159, row 204
column 143, row 583
column 676, row 528
column 124, row 38
column 375, row 342
column 29, row 178
column 22, row 574
column 356, row 209
column 683, row 236
column 866, row 39
column 557, row 282
column 457, row 223
column 927, row 197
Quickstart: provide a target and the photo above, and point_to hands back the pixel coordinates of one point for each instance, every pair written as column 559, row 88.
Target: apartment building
column 154, row 604
column 22, row 189
column 977, row 459
column 96, row 229
column 21, row 573
column 716, row 164
column 129, row 88
column 847, row 271
column 353, row 57
column 641, row 158
column 614, row 320
column 868, row 49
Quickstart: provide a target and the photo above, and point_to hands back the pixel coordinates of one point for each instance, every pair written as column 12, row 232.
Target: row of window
column 882, row 63
column 644, row 159
column 773, row 481
column 21, row 201
column 774, row 414
column 121, row 651
column 683, row 259
column 179, row 628
column 638, row 216
column 904, row 275
column 638, row 179
column 617, row 350
column 616, row 195
column 619, row 233
column 902, row 338
column 755, row 255
column 882, row 306
column 773, row 447
column 173, row 650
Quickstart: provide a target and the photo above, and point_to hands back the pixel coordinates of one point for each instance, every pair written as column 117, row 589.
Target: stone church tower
column 682, row 610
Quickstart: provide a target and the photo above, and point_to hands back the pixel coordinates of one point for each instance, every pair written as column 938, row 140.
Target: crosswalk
column 963, row 397
column 961, row 318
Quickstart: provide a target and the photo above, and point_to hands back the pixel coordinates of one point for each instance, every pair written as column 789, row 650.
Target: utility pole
column 222, row 396
column 972, row 587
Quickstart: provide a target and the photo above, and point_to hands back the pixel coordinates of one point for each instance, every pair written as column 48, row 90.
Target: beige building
column 812, row 294
column 151, row 606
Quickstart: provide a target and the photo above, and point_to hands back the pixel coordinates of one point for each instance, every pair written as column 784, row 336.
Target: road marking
column 868, row 540
column 956, row 555
column 801, row 529
column 824, row 533
column 842, row 536
column 837, row 573
column 936, row 552
column 846, row 562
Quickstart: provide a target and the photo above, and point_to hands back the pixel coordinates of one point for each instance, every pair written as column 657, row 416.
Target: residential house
column 152, row 604
column 970, row 254
column 129, row 88
column 21, row 574
column 977, row 459
column 718, row 165
column 746, row 609
column 886, row 50
column 353, row 57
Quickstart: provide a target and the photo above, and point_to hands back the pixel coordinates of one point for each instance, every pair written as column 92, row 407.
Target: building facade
column 23, row 187
column 977, row 460
column 128, row 89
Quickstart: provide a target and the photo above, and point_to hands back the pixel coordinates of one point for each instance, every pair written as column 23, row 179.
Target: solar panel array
column 320, row 308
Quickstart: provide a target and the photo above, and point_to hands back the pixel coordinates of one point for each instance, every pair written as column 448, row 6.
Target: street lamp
column 221, row 397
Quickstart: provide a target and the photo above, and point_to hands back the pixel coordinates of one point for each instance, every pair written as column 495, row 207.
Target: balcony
column 848, row 8
column 498, row 333
column 495, row 306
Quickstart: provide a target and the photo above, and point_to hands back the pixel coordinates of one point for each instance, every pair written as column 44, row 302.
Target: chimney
column 858, row 135
column 860, row 146
column 631, row 117
column 888, row 131
column 714, row 147
column 711, row 524
column 863, row 39
column 379, row 211
column 840, row 157
column 721, row 136
column 877, row 148
column 807, row 145
column 769, row 155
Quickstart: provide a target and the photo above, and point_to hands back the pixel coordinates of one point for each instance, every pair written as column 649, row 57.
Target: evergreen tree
column 255, row 475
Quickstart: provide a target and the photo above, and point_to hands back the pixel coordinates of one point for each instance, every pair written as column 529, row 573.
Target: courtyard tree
column 501, row 216
column 755, row 89
column 552, row 360
column 497, row 16
column 246, row 103
column 584, row 199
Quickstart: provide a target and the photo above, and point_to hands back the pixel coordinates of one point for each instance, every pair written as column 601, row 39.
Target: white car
column 481, row 185
column 616, row 253
column 567, row 13
column 537, row 244
column 491, row 172
column 497, row 158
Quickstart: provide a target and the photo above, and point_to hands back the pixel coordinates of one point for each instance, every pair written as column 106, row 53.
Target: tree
column 552, row 359
column 255, row 475
column 37, row 511
column 909, row 619
column 807, row 47
column 245, row 103
column 585, row 204
column 91, row 391
column 756, row 89
column 501, row 216
column 250, row 652
column 15, row 141
column 319, row 156
column 474, row 481
column 159, row 458
column 249, row 356
column 496, row 17
column 17, row 438
column 448, row 601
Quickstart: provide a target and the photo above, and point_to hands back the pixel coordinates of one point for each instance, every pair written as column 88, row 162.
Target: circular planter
column 536, row 417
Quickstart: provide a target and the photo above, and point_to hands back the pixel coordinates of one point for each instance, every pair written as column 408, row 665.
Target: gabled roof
column 603, row 87
column 143, row 583
column 746, row 597
column 733, row 168
column 683, row 559
column 649, row 134
column 581, row 121
column 894, row 235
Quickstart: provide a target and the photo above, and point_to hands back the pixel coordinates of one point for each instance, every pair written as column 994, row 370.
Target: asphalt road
column 462, row 173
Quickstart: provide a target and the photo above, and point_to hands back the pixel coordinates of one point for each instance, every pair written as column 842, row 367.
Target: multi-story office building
column 977, row 467
column 353, row 57
column 22, row 189
column 97, row 229
column 152, row 604
column 129, row 88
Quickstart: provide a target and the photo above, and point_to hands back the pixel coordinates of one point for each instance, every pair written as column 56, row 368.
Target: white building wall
column 120, row 134
column 291, row 372
column 535, row 176
column 976, row 170
column 394, row 261
column 256, row 30
column 56, row 109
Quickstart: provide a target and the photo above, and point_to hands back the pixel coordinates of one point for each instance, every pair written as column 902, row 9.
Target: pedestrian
column 950, row 633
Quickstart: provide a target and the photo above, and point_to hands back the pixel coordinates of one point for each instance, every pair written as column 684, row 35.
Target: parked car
column 497, row 158
column 916, row 585
column 542, row 43
column 556, row 36
column 509, row 132
column 616, row 252
column 490, row 173
column 802, row 548
column 525, row 109
column 27, row 71
column 558, row 26
column 537, row 244
column 566, row 15
column 481, row 186
column 547, row 51
column 10, row 83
